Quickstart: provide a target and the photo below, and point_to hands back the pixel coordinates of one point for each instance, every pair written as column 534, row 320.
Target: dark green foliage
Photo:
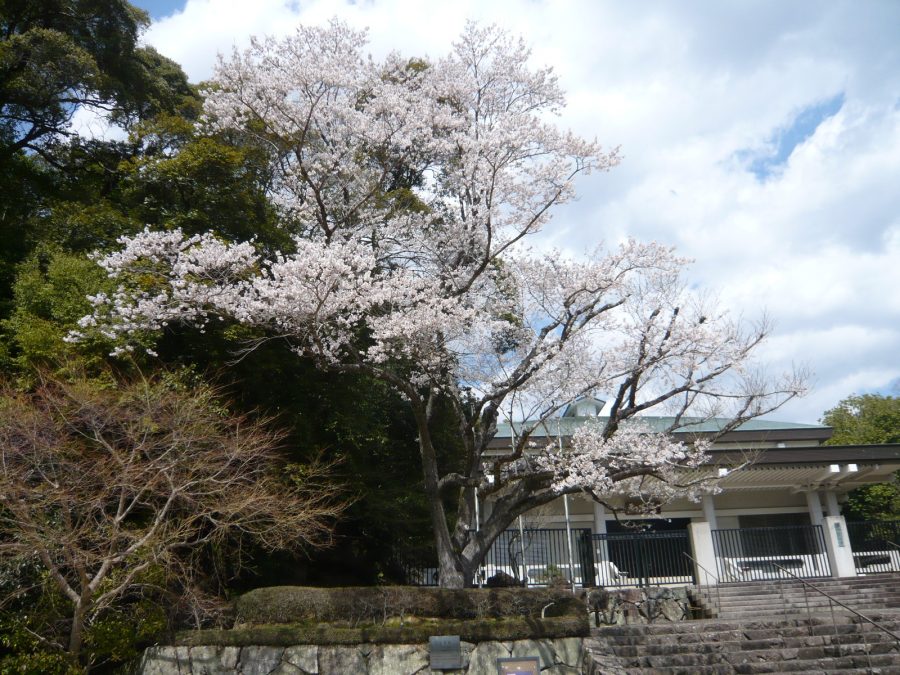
column 58, row 55
column 864, row 420
column 285, row 615
column 366, row 605
column 356, row 418
column 289, row 615
column 119, row 635
column 50, row 296
column 874, row 502
column 502, row 580
column 32, row 606
column 472, row 630
column 182, row 177
column 60, row 201
column 28, row 606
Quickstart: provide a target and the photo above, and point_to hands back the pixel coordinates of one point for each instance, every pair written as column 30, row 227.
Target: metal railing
column 831, row 602
column 760, row 553
column 539, row 556
column 642, row 559
column 875, row 546
column 415, row 570
column 707, row 575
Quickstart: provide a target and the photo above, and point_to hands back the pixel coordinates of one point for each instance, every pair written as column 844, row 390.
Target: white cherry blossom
column 417, row 183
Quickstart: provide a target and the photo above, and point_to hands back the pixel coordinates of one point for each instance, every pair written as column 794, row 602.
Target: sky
column 761, row 139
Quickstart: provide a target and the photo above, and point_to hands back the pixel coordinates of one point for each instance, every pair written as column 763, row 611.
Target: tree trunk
column 450, row 569
column 76, row 634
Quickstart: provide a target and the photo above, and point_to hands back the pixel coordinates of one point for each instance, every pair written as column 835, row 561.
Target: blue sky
column 778, row 148
column 760, row 139
column 160, row 8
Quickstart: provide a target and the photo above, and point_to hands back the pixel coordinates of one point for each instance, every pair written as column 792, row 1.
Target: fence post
column 837, row 545
column 702, row 543
column 586, row 554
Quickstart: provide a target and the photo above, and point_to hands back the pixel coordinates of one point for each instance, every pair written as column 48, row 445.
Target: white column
column 837, row 544
column 600, row 528
column 815, row 507
column 599, row 518
column 831, row 504
column 709, row 511
column 569, row 543
column 704, row 554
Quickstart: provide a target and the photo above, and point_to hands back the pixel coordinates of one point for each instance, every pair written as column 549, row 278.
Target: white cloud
column 90, row 123
column 684, row 87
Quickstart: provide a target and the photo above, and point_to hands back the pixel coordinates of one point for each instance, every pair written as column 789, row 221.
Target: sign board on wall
column 445, row 652
column 525, row 665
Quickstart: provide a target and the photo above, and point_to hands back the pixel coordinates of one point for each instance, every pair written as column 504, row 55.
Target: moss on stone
column 377, row 605
column 479, row 630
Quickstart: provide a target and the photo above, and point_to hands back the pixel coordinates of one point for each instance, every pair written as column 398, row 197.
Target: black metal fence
column 610, row 560
column 756, row 553
column 539, row 555
column 876, row 546
column 642, row 559
column 418, row 567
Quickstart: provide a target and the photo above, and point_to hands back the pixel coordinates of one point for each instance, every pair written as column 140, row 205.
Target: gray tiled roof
column 567, row 425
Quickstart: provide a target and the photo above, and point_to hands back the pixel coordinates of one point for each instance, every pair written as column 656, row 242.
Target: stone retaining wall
column 561, row 656
column 639, row 605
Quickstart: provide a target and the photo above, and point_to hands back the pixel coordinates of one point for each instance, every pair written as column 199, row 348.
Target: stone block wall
column 639, row 605
column 561, row 656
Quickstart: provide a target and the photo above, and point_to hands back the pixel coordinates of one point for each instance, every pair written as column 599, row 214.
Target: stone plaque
column 524, row 665
column 839, row 533
column 445, row 652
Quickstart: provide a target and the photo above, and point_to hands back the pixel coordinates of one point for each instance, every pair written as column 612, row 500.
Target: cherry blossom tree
column 417, row 184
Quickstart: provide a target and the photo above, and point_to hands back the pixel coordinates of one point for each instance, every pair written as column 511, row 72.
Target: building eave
column 818, row 454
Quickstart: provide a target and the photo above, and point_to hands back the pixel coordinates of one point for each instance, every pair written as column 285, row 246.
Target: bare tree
column 108, row 485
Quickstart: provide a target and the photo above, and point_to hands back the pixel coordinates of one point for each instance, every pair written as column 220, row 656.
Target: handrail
column 708, row 574
column 838, row 602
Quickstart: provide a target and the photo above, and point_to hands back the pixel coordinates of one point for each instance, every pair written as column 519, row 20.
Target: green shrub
column 39, row 663
column 376, row 605
column 119, row 636
column 479, row 630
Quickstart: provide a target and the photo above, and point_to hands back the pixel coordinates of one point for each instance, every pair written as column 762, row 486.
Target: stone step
column 752, row 635
column 776, row 590
column 883, row 664
column 797, row 613
column 792, row 610
column 812, row 603
column 712, row 626
column 726, row 669
column 768, row 650
column 683, row 637
column 825, row 582
column 774, row 586
column 848, row 658
column 878, row 577
column 798, row 593
column 886, row 601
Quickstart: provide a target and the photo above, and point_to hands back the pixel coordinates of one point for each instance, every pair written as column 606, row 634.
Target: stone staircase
column 771, row 598
column 754, row 631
